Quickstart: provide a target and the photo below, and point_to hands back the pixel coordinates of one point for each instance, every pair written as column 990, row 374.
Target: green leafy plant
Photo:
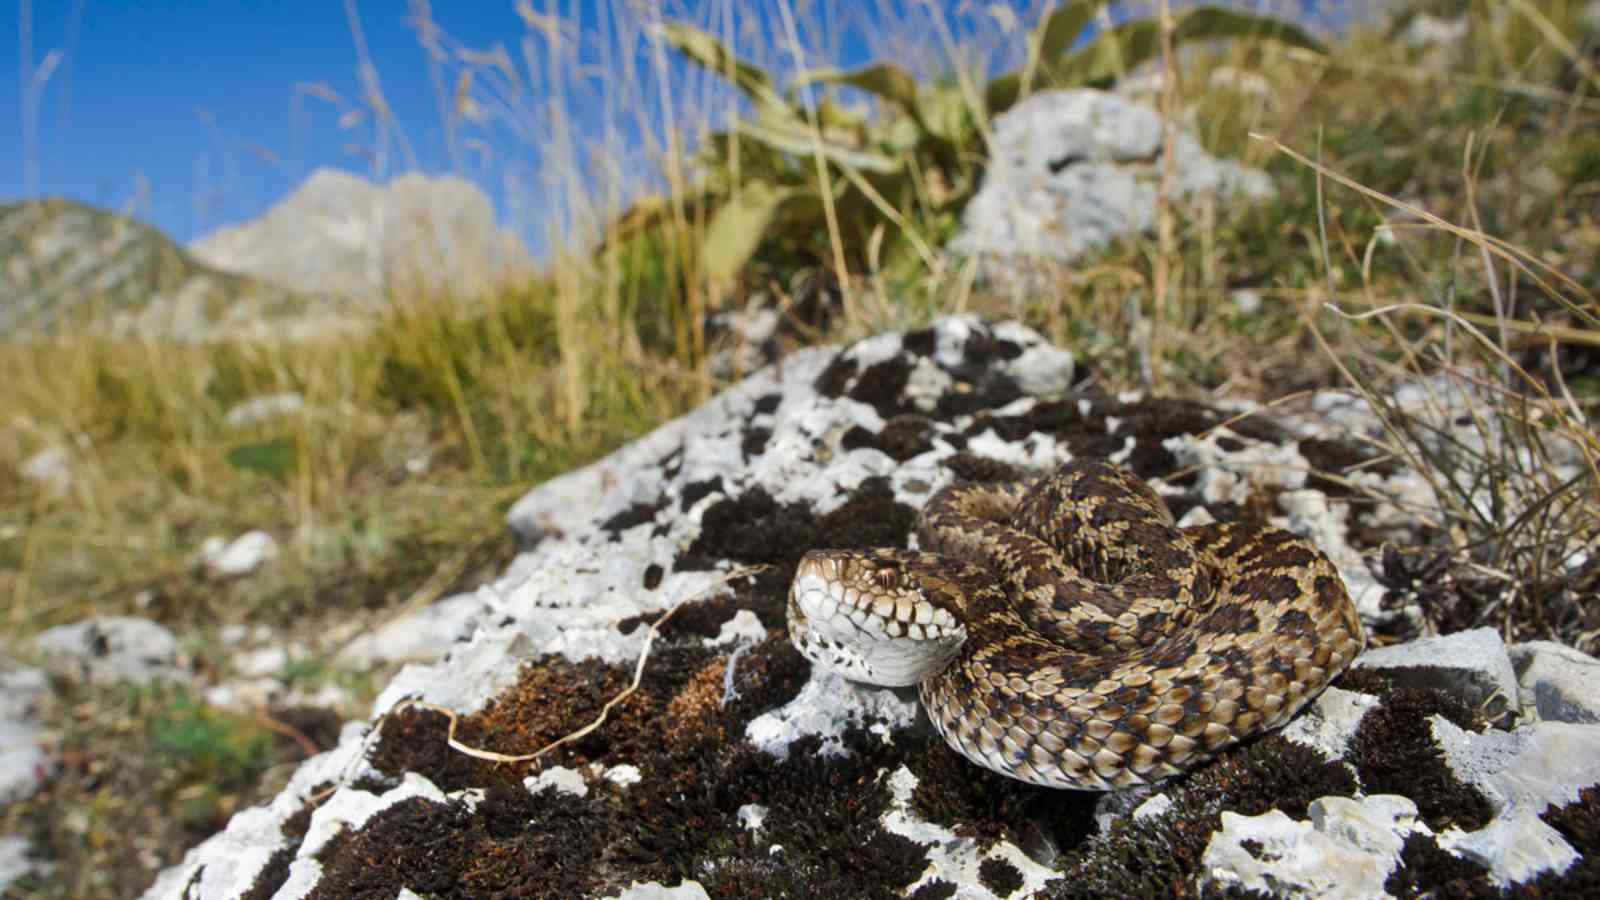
column 275, row 457
column 189, row 733
column 800, row 183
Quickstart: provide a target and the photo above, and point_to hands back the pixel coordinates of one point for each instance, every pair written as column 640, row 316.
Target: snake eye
column 886, row 579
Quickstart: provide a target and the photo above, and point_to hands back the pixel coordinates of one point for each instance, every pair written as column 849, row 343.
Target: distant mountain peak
column 416, row 235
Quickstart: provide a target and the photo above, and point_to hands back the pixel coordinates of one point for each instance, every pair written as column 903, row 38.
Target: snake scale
column 1065, row 632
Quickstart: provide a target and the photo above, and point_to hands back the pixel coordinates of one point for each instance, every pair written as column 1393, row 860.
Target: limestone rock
column 24, row 762
column 1522, row 773
column 110, row 649
column 1345, row 850
column 14, row 861
column 340, row 234
column 1072, row 170
column 238, row 557
column 423, row 635
column 1473, row 665
column 260, row 409
column 51, row 469
column 1558, row 683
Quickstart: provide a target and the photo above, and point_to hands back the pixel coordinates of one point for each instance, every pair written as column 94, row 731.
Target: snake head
column 878, row 616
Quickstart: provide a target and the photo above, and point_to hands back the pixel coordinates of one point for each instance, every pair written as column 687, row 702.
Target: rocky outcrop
column 1072, row 170
column 110, row 650
column 65, row 265
column 723, row 760
column 339, row 233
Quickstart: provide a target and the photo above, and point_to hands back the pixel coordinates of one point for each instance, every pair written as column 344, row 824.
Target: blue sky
column 193, row 115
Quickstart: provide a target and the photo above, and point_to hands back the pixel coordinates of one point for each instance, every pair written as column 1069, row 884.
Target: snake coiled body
column 1066, row 633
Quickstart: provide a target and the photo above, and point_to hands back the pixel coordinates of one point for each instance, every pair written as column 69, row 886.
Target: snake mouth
column 857, row 616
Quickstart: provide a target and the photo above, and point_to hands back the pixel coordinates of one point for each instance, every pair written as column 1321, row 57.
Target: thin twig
column 605, row 711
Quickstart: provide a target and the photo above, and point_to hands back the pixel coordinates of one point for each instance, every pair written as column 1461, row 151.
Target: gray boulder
column 1557, row 683
column 24, row 763
column 111, row 649
column 1072, row 170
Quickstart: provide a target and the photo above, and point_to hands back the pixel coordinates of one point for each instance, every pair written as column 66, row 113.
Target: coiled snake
column 1066, row 633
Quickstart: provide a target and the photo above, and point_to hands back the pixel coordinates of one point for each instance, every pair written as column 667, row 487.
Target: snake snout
column 854, row 615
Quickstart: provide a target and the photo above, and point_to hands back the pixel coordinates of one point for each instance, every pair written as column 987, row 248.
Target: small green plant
column 195, row 736
column 797, row 183
column 304, row 671
column 275, row 457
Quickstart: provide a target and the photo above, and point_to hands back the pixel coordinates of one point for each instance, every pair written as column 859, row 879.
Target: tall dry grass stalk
column 1511, row 457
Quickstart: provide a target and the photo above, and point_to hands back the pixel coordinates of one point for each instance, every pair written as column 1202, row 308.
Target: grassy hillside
column 1438, row 212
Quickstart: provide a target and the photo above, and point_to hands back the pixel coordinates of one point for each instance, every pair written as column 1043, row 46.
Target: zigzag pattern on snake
column 1067, row 633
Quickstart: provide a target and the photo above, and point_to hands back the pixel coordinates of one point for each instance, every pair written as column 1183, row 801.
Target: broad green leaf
column 831, row 115
column 275, row 457
column 1206, row 22
column 1129, row 45
column 928, row 109
column 1117, row 50
column 1056, row 32
column 1053, row 36
column 1110, row 56
column 736, row 229
column 888, row 81
column 884, row 79
column 716, row 57
column 947, row 114
column 799, row 142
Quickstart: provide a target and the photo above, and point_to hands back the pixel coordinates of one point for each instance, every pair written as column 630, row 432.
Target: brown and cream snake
column 1066, row 633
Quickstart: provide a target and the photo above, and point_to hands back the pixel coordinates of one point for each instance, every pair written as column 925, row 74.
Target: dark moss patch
column 999, row 876
column 276, row 871
column 701, row 618
column 637, row 514
column 968, row 467
column 273, row 874
column 753, row 528
column 823, row 812
column 902, row 438
column 987, row 391
column 1081, row 422
column 415, row 844
column 983, row 348
column 1337, row 458
column 835, row 379
column 923, row 342
column 976, row 802
column 1428, row 870
column 882, row 386
column 652, row 576
column 672, row 463
column 1430, row 592
column 937, row 889
column 1579, row 824
column 1395, row 753
column 695, row 491
column 754, row 442
column 1160, row 856
column 318, row 725
column 978, row 383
